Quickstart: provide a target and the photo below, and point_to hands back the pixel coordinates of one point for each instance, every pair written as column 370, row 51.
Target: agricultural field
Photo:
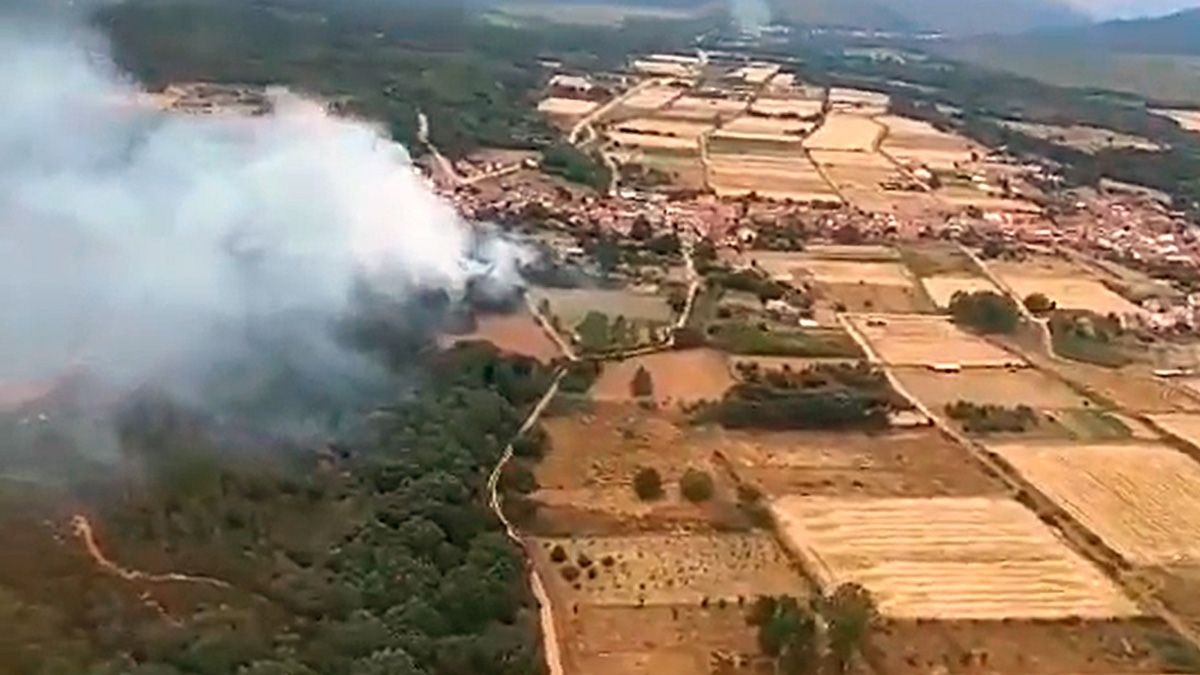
column 773, row 177
column 781, row 130
column 1185, row 426
column 919, row 143
column 863, row 179
column 603, row 639
column 590, row 315
column 902, row 463
column 861, row 101
column 987, row 558
column 1188, row 119
column 1140, row 499
column 941, row 288
column 512, row 333
column 649, row 99
column 928, row 341
column 1132, row 388
column 787, row 107
column 684, row 166
column 670, row 569
column 1062, row 282
column 660, row 126
column 566, row 110
column 594, row 450
column 709, row 110
column 654, row 142
column 679, row 377
column 846, row 133
column 1084, row 138
column 870, row 283
column 991, row 386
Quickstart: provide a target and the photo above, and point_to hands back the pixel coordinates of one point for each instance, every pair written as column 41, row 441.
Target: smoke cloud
column 750, row 15
column 148, row 245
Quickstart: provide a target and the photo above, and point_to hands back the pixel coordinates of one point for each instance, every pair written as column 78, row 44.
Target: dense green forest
column 376, row 556
column 476, row 80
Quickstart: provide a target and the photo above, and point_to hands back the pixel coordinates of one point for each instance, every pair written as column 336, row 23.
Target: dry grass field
column 1141, row 499
column 903, row 463
column 570, row 305
column 604, row 640
column 706, row 109
column 947, row 558
column 859, row 100
column 1181, row 425
column 1132, row 388
column 942, row 287
column 784, row 130
column 849, row 272
column 1070, row 286
column 794, row 107
column 868, row 297
column 670, row 569
column 993, row 386
column 566, row 107
column 847, row 133
column 860, row 178
column 685, row 169
column 512, row 333
column 679, row 377
column 652, row 142
column 928, row 341
column 651, row 98
column 659, row 126
column 916, row 142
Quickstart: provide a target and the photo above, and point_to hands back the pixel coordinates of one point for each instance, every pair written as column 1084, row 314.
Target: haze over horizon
column 1105, row 10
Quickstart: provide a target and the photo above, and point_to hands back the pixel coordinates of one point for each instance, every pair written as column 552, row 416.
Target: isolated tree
column 787, row 633
column 696, row 486
column 642, row 385
column 1038, row 303
column 849, row 614
column 985, row 311
column 647, row 483
column 641, row 229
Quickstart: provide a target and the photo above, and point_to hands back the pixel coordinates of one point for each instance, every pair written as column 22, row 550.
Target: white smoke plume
column 136, row 241
column 750, row 15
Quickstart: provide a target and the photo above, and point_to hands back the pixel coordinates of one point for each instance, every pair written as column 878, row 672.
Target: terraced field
column 973, row 558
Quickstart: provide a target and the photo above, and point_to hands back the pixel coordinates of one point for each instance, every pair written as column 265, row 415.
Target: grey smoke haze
column 138, row 242
column 750, row 15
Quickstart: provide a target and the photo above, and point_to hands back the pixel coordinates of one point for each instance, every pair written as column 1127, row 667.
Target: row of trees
column 694, row 485
column 798, row 639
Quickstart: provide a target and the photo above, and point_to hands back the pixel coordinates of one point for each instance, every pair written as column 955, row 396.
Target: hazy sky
column 1108, row 9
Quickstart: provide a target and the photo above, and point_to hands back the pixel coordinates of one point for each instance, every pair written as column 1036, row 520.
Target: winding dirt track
column 83, row 529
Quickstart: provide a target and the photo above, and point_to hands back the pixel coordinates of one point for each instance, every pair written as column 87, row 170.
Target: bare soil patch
column 679, row 377
column 1141, row 499
column 513, row 334
column 948, row 558
column 928, row 341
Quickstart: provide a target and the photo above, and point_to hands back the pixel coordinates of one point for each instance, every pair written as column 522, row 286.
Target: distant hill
column 1158, row 58
column 953, row 17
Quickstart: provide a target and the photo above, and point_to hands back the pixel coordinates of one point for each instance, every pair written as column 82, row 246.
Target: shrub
column 642, row 385
column 558, row 554
column 647, row 483
column 570, row 572
column 696, row 486
column 985, row 311
column 1038, row 303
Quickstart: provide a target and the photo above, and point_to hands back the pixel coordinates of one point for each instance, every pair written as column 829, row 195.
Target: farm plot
column 1131, row 388
column 919, row 143
column 683, row 166
column 566, row 108
column 941, row 288
column 846, row 133
column 867, row 286
column 1083, row 137
column 1182, row 425
column 678, row 640
column 678, row 377
column 650, row 98
column 779, row 178
column 797, row 108
column 928, row 341
column 1070, row 287
column 859, row 100
column 657, row 126
column 512, row 333
column 767, row 128
column 670, row 569
column 993, row 386
column 947, row 558
column 863, row 179
column 706, row 109
column 571, row 305
column 1141, row 499
column 903, row 463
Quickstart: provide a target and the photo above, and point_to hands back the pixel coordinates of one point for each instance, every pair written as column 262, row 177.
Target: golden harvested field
column 860, row 178
column 902, row 463
column 964, row 197
column 663, row 127
column 1131, row 388
column 928, row 341
column 662, row 68
column 680, row 640
column 679, row 377
column 770, row 127
column 708, row 109
column 1141, row 499
column 651, row 98
column 572, row 304
column 867, row 297
column 947, row 558
column 848, row 272
column 848, row 133
column 917, row 142
column 1069, row 286
column 654, row 142
column 942, row 287
column 671, row 569
column 1182, row 425
column 770, row 177
column 757, row 73
column 566, row 107
column 858, row 99
column 793, row 107
column 513, row 333
column 991, row 386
